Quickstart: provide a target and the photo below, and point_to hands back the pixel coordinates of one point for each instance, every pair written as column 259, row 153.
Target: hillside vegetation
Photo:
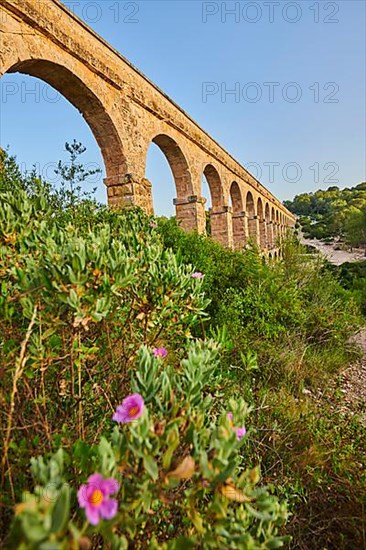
column 334, row 213
column 229, row 436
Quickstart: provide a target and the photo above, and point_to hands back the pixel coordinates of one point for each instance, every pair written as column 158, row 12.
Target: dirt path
column 336, row 257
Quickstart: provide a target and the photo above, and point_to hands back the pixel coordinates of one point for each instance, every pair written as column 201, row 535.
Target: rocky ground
column 347, row 392
column 332, row 254
column 350, row 387
column 352, row 383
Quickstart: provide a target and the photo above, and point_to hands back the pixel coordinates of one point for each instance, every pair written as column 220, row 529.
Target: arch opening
column 252, row 219
column 262, row 224
column 215, row 186
column 238, row 217
column 212, row 191
column 178, row 164
column 86, row 102
column 267, row 217
column 160, row 178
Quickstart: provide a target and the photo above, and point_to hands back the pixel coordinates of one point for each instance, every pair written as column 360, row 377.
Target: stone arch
column 220, row 215
column 177, row 162
column 269, row 227
column 249, row 205
column 238, row 217
column 70, row 85
column 267, row 213
column 215, row 185
column 236, row 198
column 251, row 213
column 273, row 226
column 261, row 223
column 260, row 210
column 186, row 201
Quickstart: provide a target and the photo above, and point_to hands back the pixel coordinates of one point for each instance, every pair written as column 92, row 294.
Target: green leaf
column 151, row 467
column 61, row 510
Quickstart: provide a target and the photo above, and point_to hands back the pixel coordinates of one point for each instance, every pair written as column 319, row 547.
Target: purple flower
column 197, row 275
column 153, row 225
column 240, row 432
column 160, row 352
column 132, row 408
column 94, row 497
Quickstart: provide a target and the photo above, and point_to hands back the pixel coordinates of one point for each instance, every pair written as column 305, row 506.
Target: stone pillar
column 254, row 231
column 262, row 233
column 270, row 235
column 221, row 225
column 240, row 230
column 279, row 234
column 190, row 213
column 124, row 191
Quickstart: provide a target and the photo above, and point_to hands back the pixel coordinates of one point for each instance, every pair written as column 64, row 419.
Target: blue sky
column 297, row 70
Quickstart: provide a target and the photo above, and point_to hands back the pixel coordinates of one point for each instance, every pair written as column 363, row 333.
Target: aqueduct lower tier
column 126, row 113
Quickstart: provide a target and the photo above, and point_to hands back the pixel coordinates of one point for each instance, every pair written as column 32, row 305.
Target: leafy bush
column 88, row 297
column 96, row 304
column 176, row 469
column 276, row 309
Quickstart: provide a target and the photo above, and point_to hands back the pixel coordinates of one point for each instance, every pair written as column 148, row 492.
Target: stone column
column 125, row 191
column 240, row 230
column 270, row 235
column 262, row 233
column 221, row 225
column 190, row 212
column 254, row 231
column 279, row 234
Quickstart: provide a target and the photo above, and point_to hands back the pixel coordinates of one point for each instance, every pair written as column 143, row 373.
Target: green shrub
column 176, row 467
column 87, row 296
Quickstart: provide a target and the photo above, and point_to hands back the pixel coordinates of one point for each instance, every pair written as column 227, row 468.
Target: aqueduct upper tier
column 126, row 113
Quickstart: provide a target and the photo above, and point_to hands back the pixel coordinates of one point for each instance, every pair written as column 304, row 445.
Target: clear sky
column 296, row 116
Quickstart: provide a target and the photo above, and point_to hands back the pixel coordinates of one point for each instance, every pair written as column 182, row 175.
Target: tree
column 355, row 228
column 73, row 176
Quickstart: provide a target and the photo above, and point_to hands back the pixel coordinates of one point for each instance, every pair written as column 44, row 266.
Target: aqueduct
column 126, row 113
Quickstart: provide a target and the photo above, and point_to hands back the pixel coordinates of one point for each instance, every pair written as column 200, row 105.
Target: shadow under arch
column 86, row 102
column 267, row 213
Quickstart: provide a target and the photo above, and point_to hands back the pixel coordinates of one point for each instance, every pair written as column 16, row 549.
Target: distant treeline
column 334, row 213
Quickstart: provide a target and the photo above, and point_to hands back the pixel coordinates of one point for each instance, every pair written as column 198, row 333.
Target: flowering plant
column 167, row 474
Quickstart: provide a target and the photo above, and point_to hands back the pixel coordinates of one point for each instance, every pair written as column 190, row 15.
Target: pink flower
column 197, row 275
column 94, row 497
column 160, row 352
column 153, row 225
column 240, row 432
column 132, row 408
